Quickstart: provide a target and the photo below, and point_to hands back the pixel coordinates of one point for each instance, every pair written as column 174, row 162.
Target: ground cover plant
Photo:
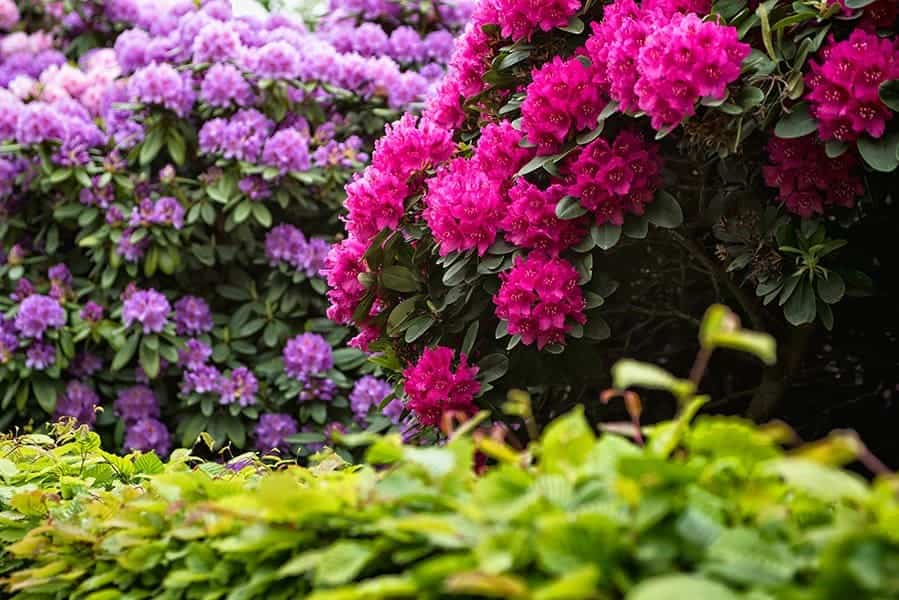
column 171, row 177
column 592, row 174
column 700, row 507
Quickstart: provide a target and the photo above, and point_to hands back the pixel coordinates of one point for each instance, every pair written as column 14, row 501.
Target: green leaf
column 889, row 94
column 399, row 278
column 262, row 214
column 417, row 327
column 597, row 329
column 45, row 392
column 569, row 208
column 665, row 211
column 820, row 481
column 492, row 367
column 151, row 145
column 797, row 123
column 832, row 288
column 567, row 442
column 471, row 336
column 630, row 373
column 575, row 26
column 149, row 360
column 606, row 235
column 800, row 308
column 880, row 154
column 686, row 587
column 535, row 163
column 126, row 352
column 342, row 562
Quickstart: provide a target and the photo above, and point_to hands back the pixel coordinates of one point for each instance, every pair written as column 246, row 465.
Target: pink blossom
column 434, row 388
column 807, row 179
column 498, row 154
column 843, row 86
column 540, row 299
column 613, row 180
column 342, row 268
column 519, row 19
column 463, row 208
column 531, row 220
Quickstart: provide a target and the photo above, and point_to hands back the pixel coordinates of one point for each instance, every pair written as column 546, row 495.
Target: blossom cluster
column 434, row 387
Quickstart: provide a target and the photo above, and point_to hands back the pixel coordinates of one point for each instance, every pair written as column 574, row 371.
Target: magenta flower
column 434, row 387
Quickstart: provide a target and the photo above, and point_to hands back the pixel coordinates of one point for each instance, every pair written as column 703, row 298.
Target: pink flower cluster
column 661, row 61
column 808, row 180
column 843, row 88
column 612, row 180
column 463, row 208
column 561, row 96
column 498, row 153
column 531, row 220
column 540, row 299
column 434, row 387
column 376, row 200
column 520, row 19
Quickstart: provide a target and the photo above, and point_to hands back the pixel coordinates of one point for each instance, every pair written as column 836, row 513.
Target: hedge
column 709, row 508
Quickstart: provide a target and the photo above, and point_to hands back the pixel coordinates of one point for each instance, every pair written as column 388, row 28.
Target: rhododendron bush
column 169, row 191
column 584, row 163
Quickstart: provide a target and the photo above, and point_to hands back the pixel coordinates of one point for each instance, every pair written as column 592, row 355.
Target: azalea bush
column 590, row 170
column 699, row 507
column 167, row 204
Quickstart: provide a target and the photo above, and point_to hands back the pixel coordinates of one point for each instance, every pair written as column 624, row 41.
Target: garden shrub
column 710, row 508
column 168, row 201
column 587, row 164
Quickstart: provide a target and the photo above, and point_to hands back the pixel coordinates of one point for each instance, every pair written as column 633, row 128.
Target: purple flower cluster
column 286, row 244
column 37, row 314
column 272, row 430
column 136, row 404
column 242, row 137
column 163, row 85
column 78, row 402
column 368, row 393
column 192, row 316
column 149, row 308
column 306, row 355
column 287, row 150
column 165, row 211
column 240, row 387
column 148, row 435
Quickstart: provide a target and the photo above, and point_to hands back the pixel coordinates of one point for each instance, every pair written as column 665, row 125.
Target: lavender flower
column 79, row 402
column 136, row 403
column 254, row 188
column 40, row 356
column 368, row 392
column 192, row 316
column 317, row 388
column 147, row 307
column 216, row 42
column 283, row 243
column 9, row 342
column 307, row 354
column 92, row 312
column 224, row 85
column 276, row 60
column 271, row 431
column 130, row 251
column 161, row 84
column 148, row 435
column 288, row 150
column 240, row 386
column 85, row 364
column 194, row 354
column 37, row 314
column 204, row 379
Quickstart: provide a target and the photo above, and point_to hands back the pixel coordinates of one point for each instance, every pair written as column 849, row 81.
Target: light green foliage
column 715, row 510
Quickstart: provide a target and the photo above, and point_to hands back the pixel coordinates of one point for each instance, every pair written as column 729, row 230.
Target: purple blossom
column 224, row 85
column 60, row 273
column 148, row 435
column 240, row 386
column 271, row 431
column 317, row 388
column 406, row 45
column 9, row 342
column 147, row 307
column 92, row 312
column 216, row 42
column 394, row 411
column 164, row 211
column 131, row 49
column 254, row 188
column 38, row 313
column 438, row 46
column 204, row 379
column 85, row 364
column 136, row 403
column 307, row 354
column 367, row 393
column 40, row 122
column 312, row 260
column 192, row 316
column 24, row 289
column 283, row 243
column 276, row 60
column 288, row 150
column 40, row 356
column 79, row 402
column 194, row 354
column 161, row 84
column 131, row 251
